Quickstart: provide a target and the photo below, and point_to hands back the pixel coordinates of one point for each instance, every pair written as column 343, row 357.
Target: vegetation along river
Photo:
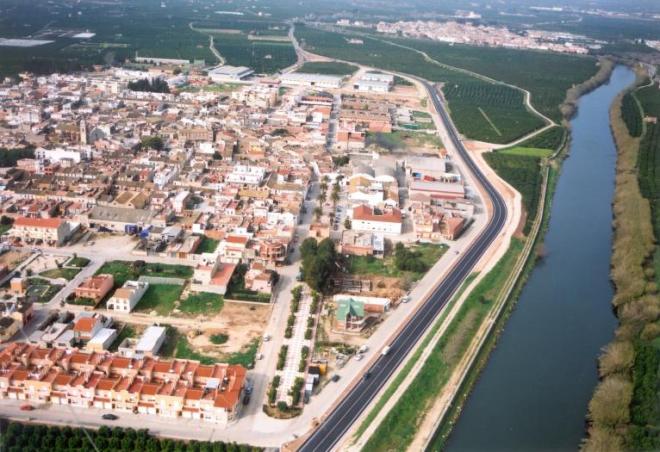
column 534, row 391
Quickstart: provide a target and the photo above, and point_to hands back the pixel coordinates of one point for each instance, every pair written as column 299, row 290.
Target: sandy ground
column 13, row 258
column 241, row 322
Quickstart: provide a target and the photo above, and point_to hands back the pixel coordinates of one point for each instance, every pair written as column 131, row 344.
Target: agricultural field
column 481, row 110
column 265, row 57
column 524, row 174
column 328, row 68
column 491, row 113
column 122, row 29
column 552, row 138
column 547, row 76
column 631, row 115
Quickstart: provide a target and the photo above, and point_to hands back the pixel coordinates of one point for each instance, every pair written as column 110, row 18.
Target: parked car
column 335, row 378
column 246, row 399
column 27, row 407
column 110, row 417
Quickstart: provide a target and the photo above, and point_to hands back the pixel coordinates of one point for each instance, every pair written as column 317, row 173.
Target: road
column 346, row 412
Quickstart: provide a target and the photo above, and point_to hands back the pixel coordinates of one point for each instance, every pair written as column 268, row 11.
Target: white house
column 365, row 218
column 126, row 297
column 245, row 174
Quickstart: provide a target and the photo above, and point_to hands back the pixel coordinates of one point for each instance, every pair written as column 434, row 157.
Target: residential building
column 171, row 389
column 366, row 218
column 51, row 230
column 95, row 287
column 126, row 297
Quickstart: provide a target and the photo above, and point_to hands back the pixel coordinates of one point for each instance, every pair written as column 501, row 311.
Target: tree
column 152, row 142
column 157, row 85
column 322, row 197
column 318, row 212
column 323, row 187
column 347, row 223
column 334, row 197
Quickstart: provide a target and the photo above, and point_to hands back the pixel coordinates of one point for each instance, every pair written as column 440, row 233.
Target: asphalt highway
column 346, row 413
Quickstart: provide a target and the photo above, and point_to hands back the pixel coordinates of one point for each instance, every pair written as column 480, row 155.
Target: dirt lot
column 13, row 258
column 241, row 322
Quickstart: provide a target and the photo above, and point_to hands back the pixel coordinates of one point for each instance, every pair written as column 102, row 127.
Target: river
column 533, row 392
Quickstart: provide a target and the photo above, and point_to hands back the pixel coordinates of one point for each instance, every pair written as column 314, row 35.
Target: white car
column 266, row 337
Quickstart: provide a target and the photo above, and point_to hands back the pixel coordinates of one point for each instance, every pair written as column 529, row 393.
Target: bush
column 282, row 406
column 281, row 357
column 219, row 339
column 308, row 333
column 609, row 406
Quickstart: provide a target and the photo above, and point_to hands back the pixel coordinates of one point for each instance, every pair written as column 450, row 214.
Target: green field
column 123, row 271
column 202, row 303
column 552, row 138
column 523, row 172
column 631, row 114
column 500, row 105
column 123, row 28
column 491, row 113
column 545, row 75
column 329, row 68
column 66, row 273
column 160, row 298
column 528, row 152
column 369, row 265
column 402, row 140
column 265, row 57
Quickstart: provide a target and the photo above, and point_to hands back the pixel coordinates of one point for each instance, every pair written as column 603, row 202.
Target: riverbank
column 623, row 412
column 452, row 369
column 517, row 377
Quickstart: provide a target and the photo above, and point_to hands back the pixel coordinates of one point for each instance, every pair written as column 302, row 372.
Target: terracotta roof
column 48, row 223
column 85, row 324
column 366, row 213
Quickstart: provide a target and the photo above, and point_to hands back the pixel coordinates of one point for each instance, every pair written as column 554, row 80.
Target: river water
column 534, row 391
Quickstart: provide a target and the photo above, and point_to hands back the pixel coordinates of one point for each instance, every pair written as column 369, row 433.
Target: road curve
column 346, row 413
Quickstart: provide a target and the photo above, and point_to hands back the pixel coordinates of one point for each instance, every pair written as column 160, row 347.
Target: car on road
column 110, row 417
column 267, row 337
column 335, row 378
column 246, row 399
column 386, row 350
column 366, row 375
column 27, row 407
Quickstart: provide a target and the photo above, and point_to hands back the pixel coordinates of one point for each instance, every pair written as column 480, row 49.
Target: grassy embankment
column 399, row 426
column 624, row 412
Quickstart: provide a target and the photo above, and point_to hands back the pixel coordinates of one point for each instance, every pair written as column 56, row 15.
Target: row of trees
column 18, row 437
column 156, row 85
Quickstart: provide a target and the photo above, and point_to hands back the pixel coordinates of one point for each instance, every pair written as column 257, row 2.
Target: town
column 183, row 241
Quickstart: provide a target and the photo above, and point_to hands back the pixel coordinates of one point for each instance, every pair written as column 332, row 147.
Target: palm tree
column 334, row 197
column 318, row 212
